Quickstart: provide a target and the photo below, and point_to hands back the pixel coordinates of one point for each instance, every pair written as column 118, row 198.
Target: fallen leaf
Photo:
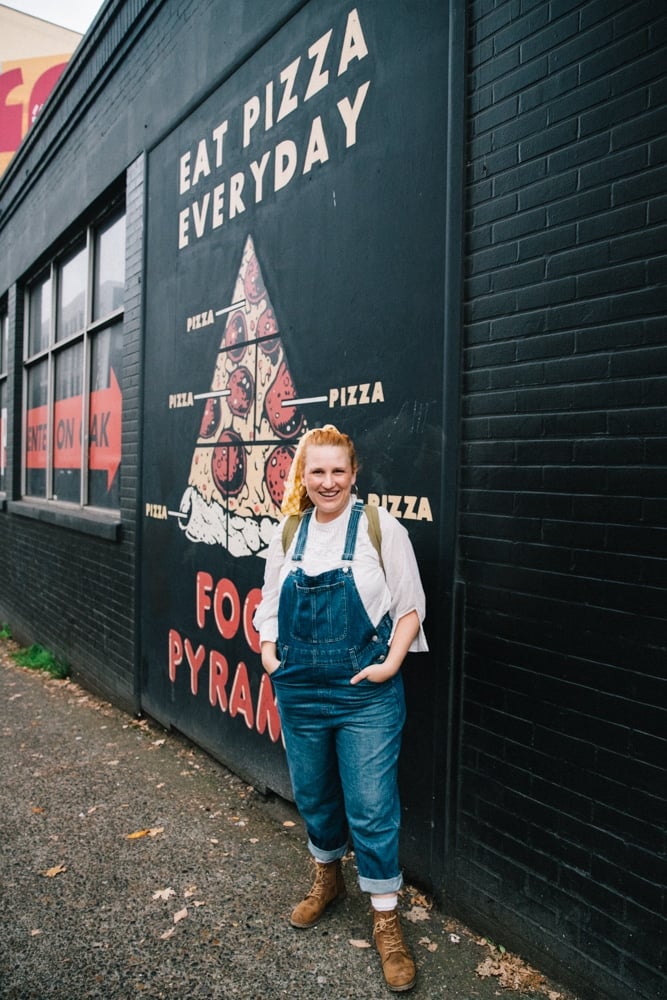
column 181, row 915
column 154, row 830
column 137, row 834
column 288, row 822
column 35, row 933
column 190, row 891
column 512, row 973
column 167, row 934
column 455, row 939
column 56, row 870
column 416, row 914
column 38, row 809
column 359, row 943
column 164, row 893
column 428, row 944
column 158, row 743
column 254, row 840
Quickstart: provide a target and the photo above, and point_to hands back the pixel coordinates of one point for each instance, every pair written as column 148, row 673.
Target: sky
column 77, row 15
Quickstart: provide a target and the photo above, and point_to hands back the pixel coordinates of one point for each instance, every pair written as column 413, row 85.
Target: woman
column 335, row 625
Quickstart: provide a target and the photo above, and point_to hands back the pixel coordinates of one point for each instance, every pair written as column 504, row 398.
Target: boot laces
column 319, row 888
column 390, row 929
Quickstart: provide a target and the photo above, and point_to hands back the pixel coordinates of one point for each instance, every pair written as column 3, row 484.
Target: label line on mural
column 213, row 394
column 304, row 400
column 228, row 309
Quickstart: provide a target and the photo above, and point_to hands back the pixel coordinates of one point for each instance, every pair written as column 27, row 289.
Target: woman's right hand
column 270, row 660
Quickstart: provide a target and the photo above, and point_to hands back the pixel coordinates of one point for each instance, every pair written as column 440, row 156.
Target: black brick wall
column 563, row 505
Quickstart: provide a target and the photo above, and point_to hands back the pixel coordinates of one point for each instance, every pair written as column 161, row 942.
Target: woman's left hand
column 406, row 629
column 376, row 673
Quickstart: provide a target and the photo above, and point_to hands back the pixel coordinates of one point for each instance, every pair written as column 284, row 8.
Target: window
column 4, row 346
column 72, row 372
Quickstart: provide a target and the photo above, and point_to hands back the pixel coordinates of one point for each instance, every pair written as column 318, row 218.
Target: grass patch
column 36, row 657
column 5, row 632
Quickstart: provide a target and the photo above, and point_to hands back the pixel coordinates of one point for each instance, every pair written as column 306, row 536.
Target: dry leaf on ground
column 150, row 832
column 416, row 914
column 512, row 973
column 56, row 870
column 359, row 943
column 164, row 893
column 181, row 915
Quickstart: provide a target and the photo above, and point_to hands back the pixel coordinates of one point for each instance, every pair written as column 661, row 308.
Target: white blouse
column 398, row 590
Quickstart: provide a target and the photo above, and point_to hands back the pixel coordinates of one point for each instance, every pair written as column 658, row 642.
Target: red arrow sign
column 106, row 408
column 105, row 424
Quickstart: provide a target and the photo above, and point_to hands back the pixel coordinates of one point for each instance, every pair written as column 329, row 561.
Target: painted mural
column 294, row 278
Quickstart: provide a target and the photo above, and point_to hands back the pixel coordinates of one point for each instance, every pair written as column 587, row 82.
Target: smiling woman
column 329, row 476
column 336, row 620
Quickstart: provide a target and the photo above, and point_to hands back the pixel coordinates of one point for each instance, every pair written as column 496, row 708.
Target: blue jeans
column 342, row 740
column 343, row 756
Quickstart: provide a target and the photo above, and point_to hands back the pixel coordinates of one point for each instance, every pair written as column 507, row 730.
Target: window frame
column 86, row 238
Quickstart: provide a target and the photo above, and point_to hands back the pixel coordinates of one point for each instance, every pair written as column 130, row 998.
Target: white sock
column 383, row 904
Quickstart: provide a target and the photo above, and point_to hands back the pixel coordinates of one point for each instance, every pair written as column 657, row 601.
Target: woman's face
column 328, row 478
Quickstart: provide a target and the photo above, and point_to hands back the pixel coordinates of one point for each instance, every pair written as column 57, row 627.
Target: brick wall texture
column 563, row 503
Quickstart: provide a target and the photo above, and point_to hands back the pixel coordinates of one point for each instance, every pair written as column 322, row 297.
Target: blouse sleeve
column 265, row 618
column 402, row 575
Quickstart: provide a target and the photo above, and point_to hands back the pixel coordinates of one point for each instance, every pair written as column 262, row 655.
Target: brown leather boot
column 397, row 963
column 328, row 886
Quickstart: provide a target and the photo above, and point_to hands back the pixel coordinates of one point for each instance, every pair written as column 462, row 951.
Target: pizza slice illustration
column 249, row 427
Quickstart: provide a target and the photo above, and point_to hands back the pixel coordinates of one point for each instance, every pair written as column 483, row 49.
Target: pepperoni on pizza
column 243, row 451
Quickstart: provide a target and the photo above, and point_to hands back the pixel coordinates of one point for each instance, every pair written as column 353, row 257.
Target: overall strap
column 351, row 536
column 291, row 526
column 300, row 547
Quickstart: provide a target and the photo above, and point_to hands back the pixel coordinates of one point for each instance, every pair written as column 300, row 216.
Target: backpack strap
column 289, row 530
column 374, row 531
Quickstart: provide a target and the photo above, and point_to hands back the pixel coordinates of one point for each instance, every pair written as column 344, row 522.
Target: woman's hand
column 270, row 660
column 376, row 673
column 406, row 629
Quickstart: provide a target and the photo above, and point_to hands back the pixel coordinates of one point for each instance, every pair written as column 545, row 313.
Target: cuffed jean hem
column 326, row 857
column 378, row 886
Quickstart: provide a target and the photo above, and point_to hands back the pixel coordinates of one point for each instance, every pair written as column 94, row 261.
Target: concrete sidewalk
column 133, row 865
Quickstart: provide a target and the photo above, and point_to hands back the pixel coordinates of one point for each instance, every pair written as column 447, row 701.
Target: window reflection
column 72, row 295
column 39, row 336
column 109, row 289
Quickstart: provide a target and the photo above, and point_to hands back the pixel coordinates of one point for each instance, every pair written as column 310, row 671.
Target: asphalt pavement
column 134, row 865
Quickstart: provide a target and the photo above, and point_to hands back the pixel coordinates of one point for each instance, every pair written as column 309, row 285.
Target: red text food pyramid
column 248, row 429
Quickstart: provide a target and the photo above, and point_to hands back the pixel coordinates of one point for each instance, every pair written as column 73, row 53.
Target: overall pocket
column 320, row 613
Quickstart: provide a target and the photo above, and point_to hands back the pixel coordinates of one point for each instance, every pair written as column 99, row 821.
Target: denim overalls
column 342, row 740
